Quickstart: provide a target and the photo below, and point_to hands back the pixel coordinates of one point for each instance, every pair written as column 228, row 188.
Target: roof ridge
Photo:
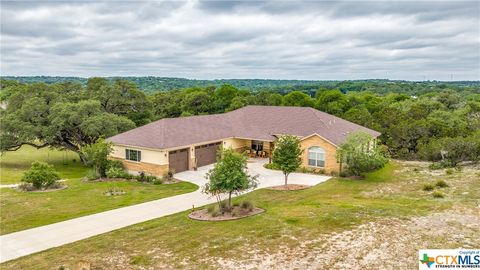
column 314, row 112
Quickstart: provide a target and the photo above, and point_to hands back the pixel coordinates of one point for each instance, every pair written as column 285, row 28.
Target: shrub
column 40, row 175
column 334, row 173
column 237, row 203
column 440, row 165
column 115, row 172
column 115, row 164
column 343, row 174
column 428, row 187
column 157, row 181
column 247, row 205
column 224, row 206
column 441, row 184
column 236, row 212
column 168, row 175
column 91, row 175
column 272, row 166
column 449, row 171
column 215, row 213
column 355, row 153
column 438, row 194
column 212, row 208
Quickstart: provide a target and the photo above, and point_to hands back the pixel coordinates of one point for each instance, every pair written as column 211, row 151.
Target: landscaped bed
column 236, row 212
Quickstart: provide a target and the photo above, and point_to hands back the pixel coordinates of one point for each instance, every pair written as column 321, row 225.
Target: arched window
column 316, row 156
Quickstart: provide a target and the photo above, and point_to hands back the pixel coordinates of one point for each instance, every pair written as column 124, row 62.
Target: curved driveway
column 34, row 240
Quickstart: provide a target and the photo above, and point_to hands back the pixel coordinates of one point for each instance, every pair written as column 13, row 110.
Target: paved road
column 30, row 241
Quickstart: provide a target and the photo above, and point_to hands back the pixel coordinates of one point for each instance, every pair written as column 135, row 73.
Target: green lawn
column 23, row 210
column 291, row 217
column 13, row 164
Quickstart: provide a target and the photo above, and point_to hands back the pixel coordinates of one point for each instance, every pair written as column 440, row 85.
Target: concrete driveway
column 266, row 177
column 34, row 240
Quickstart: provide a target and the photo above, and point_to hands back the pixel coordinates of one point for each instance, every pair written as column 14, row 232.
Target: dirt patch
column 236, row 213
column 289, row 187
column 371, row 245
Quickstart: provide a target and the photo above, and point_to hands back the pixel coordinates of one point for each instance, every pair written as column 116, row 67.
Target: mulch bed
column 289, row 187
column 203, row 214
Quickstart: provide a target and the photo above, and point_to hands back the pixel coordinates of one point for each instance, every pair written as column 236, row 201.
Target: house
column 186, row 143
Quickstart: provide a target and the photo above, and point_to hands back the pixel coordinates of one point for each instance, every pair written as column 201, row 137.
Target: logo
column 427, row 260
column 449, row 258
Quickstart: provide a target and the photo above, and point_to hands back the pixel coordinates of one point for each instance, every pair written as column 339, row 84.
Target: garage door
column 206, row 154
column 178, row 160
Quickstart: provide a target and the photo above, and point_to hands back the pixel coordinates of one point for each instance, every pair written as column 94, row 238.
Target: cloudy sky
column 413, row 40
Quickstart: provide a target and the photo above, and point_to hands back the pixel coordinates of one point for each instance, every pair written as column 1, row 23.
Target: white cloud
column 213, row 39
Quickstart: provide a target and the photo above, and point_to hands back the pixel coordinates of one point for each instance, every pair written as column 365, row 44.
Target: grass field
column 22, row 210
column 331, row 225
column 13, row 164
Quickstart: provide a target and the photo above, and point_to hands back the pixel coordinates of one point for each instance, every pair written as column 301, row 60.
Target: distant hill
column 153, row 84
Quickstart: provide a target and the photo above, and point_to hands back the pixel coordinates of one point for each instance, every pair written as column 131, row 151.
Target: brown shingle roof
column 254, row 122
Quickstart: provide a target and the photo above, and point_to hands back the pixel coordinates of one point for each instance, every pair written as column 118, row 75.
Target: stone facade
column 148, row 168
column 331, row 164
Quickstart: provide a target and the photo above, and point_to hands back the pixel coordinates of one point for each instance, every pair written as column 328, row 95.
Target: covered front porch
column 253, row 148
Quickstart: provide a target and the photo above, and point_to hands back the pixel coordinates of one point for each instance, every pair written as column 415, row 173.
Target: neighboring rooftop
column 250, row 122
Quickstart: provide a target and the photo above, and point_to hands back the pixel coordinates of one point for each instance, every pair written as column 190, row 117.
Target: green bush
column 247, row 205
column 271, row 166
column 224, row 206
column 236, row 212
column 343, row 174
column 428, row 187
column 237, row 203
column 92, row 174
column 440, row 165
column 441, row 184
column 212, row 208
column 115, row 172
column 41, row 175
column 438, row 194
column 157, row 181
column 449, row 171
column 115, row 164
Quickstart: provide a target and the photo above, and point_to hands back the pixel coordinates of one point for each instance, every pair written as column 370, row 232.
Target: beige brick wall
column 330, row 152
column 149, row 168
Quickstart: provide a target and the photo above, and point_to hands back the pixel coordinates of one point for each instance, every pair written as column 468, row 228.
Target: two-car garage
column 204, row 155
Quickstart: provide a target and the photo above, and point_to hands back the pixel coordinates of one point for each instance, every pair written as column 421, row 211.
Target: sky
column 308, row 40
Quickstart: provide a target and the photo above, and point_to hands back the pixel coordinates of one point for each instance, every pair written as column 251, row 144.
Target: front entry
column 206, row 154
column 178, row 160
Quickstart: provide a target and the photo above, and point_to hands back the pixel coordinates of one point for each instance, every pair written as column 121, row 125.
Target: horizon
column 226, row 79
column 207, row 40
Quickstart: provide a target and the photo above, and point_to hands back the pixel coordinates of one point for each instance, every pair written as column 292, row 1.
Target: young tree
column 229, row 175
column 286, row 155
column 97, row 155
column 354, row 152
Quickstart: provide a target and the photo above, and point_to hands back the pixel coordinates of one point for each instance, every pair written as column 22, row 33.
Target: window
column 133, row 155
column 316, row 156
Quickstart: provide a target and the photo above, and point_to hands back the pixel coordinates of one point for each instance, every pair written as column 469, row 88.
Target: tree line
column 71, row 115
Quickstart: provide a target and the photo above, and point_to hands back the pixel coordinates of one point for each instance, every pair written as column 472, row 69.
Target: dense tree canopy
column 71, row 115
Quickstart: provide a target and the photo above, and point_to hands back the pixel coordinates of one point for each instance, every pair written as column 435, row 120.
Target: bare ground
column 386, row 244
